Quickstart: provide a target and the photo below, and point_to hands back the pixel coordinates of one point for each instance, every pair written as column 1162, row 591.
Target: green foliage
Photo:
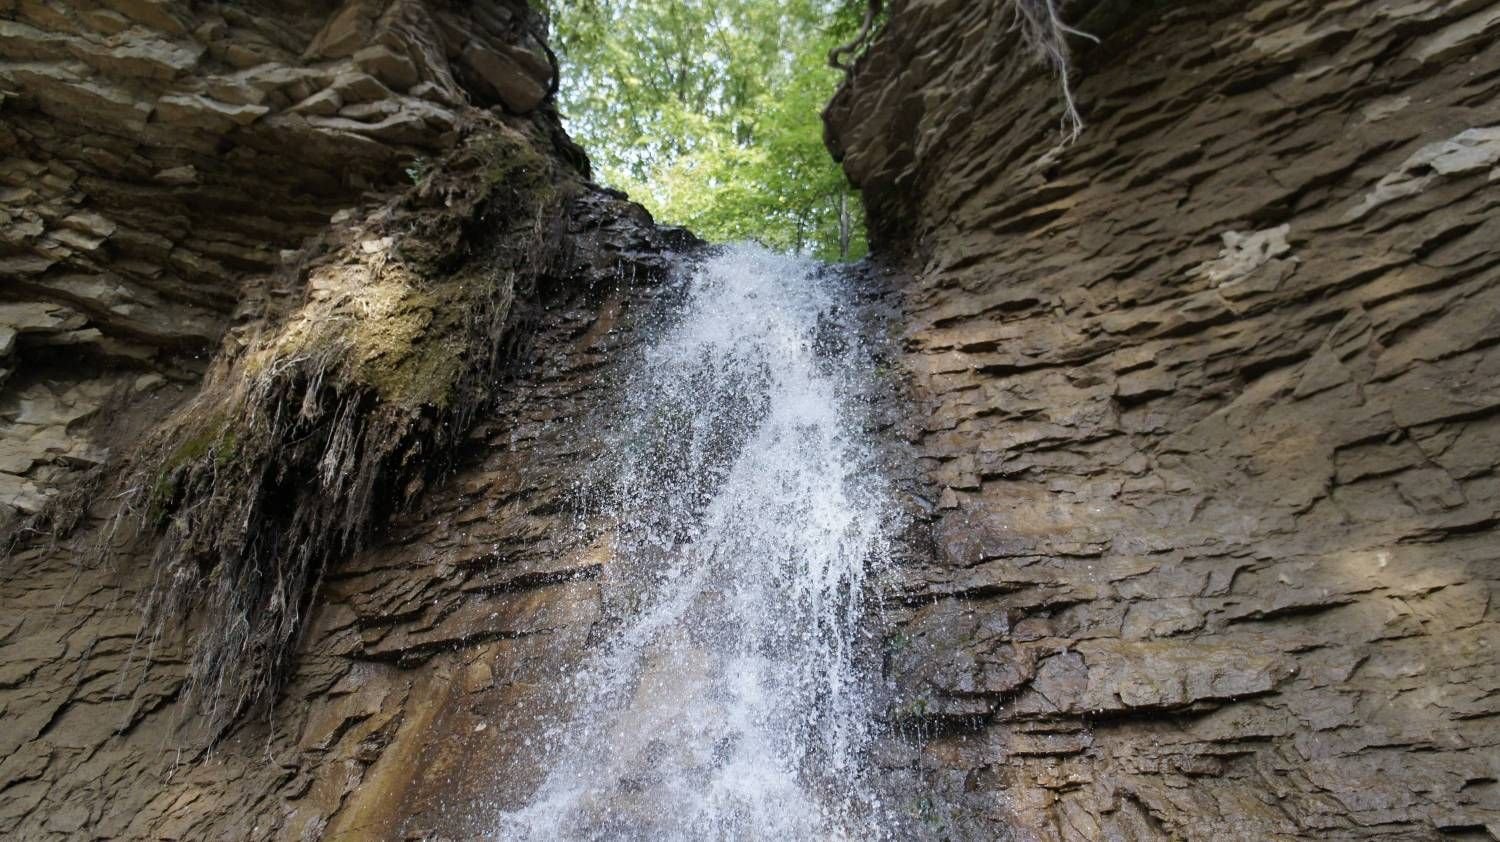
column 212, row 439
column 708, row 112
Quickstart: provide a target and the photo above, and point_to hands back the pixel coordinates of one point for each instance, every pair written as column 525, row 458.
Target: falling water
column 730, row 701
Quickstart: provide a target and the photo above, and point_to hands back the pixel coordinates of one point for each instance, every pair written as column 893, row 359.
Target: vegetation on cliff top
column 708, row 113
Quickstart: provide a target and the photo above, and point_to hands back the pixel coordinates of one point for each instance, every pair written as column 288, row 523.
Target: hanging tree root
column 334, row 415
column 838, row 57
column 1040, row 27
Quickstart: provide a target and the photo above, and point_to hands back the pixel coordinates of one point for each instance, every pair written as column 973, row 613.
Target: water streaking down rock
column 727, row 698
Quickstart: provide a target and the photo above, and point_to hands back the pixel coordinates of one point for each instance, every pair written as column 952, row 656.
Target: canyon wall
column 1201, row 466
column 1209, row 418
column 279, row 279
column 158, row 160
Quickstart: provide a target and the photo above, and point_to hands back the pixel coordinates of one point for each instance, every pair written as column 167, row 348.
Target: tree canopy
column 707, row 112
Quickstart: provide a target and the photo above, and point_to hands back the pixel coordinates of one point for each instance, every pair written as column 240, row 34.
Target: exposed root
column 340, row 412
column 1041, row 28
column 58, row 517
column 839, row 57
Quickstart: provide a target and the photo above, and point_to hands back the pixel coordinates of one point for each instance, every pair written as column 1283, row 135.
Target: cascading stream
column 729, row 701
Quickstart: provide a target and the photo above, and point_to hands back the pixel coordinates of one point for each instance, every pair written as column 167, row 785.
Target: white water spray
column 730, row 701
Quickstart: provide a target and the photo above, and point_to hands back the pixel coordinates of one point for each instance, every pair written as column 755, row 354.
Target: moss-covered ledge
column 337, row 401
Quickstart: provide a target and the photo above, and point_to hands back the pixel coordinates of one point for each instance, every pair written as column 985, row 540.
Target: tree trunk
column 845, row 223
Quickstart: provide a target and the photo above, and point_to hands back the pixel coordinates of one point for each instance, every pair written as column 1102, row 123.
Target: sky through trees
column 708, row 113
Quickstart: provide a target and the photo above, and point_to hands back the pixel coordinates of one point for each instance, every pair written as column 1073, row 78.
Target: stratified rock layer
column 457, row 274
column 421, row 659
column 158, row 158
column 1211, row 407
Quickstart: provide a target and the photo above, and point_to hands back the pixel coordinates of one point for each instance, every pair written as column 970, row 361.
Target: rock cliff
column 273, row 273
column 1202, row 462
column 1209, row 409
column 159, row 159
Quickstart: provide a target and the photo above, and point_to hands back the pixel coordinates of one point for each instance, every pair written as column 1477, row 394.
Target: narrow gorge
column 369, row 471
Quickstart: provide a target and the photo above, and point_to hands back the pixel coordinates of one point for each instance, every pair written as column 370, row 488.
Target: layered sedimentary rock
column 421, row 659
column 1210, row 405
column 1202, row 471
column 290, row 277
column 156, row 159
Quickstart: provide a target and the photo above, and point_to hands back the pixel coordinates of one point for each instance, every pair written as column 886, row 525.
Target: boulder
column 390, row 67
column 195, row 111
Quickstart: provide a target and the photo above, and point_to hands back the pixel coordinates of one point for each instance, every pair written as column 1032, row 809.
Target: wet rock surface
column 1208, row 419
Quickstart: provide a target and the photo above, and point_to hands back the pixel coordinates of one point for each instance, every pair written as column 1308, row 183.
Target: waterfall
column 729, row 699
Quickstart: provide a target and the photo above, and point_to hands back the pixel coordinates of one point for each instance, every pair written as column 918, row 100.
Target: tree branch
column 838, row 55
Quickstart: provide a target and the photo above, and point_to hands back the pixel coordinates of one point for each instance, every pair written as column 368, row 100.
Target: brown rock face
column 421, row 661
column 1211, row 405
column 1205, row 456
column 404, row 284
column 156, row 159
